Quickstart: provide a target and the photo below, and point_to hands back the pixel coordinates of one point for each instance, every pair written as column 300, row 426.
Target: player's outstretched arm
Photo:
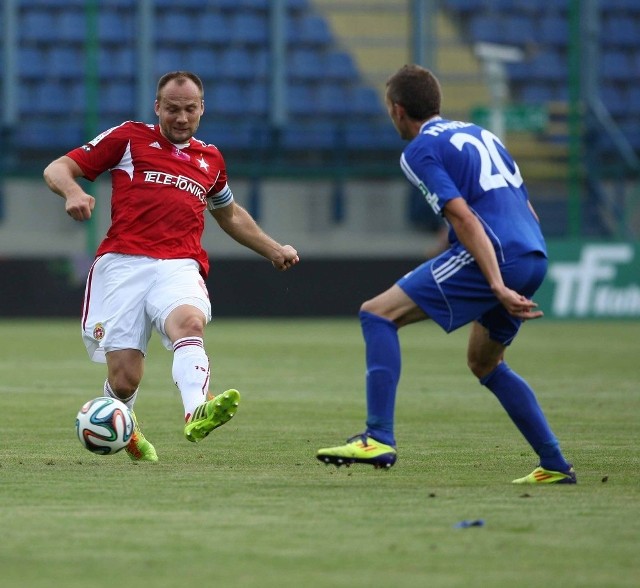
column 240, row 225
column 60, row 175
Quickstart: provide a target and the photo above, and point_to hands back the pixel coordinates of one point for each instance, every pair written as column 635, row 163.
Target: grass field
column 251, row 506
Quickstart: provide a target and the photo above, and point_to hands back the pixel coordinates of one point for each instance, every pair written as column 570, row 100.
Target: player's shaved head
column 417, row 90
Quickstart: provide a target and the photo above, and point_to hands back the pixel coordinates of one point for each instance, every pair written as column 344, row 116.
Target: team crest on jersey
column 98, row 332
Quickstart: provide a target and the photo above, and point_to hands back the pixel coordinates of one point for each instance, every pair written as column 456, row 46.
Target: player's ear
column 156, row 108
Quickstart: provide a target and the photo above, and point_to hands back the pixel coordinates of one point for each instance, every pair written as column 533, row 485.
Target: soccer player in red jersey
column 149, row 270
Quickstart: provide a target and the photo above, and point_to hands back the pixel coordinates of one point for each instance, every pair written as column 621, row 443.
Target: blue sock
column 519, row 400
column 383, row 373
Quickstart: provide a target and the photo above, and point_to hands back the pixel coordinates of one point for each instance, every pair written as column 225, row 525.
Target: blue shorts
column 452, row 291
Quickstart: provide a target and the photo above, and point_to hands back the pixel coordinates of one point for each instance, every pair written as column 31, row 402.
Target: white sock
column 190, row 372
column 111, row 394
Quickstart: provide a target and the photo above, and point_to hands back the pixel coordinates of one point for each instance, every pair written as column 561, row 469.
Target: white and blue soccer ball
column 104, row 425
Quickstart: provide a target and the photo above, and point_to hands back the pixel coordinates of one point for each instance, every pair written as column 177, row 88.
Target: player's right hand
column 79, row 206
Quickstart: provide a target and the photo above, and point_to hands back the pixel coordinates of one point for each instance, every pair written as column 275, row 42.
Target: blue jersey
column 449, row 159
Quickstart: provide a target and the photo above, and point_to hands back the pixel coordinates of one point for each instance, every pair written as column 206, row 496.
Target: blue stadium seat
column 66, row 62
column 519, row 29
column 616, row 66
column 38, row 26
column 249, row 28
column 372, row 137
column 227, row 134
column 115, row 27
column 71, row 26
column 620, row 31
column 213, row 27
column 315, row 134
column 305, row 64
column 31, row 62
column 309, row 29
column 365, row 101
column 167, row 59
column 257, row 100
column 340, row 66
column 60, row 98
column 549, row 65
column 203, row 61
column 237, row 63
column 537, row 93
column 227, row 99
column 174, row 27
column 301, row 99
column 333, row 99
column 554, row 30
column 615, row 100
column 118, row 98
column 116, row 62
column 486, row 29
column 37, row 133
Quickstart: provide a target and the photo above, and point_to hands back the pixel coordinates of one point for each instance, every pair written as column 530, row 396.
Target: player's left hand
column 288, row 258
column 518, row 305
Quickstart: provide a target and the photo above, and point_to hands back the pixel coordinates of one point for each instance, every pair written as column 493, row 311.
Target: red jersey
column 159, row 190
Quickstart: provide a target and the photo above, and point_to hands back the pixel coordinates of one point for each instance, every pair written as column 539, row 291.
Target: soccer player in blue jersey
column 495, row 263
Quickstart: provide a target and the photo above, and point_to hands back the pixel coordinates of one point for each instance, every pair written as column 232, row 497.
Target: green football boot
column 211, row 415
column 360, row 449
column 542, row 476
column 139, row 449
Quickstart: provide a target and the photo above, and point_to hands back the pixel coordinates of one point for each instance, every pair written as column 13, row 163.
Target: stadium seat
column 548, row 65
column 365, row 101
column 249, row 28
column 118, row 98
column 305, row 64
column 174, row 27
column 38, row 133
column 257, row 100
column 66, row 62
column 228, row 99
column 333, row 99
column 71, row 26
column 315, row 134
column 615, row 100
column 486, row 29
column 116, row 62
column 340, row 66
column 621, row 32
column 167, row 59
column 204, row 61
column 519, row 29
column 237, row 63
column 115, row 28
column 537, row 93
column 309, row 29
column 554, row 30
column 31, row 62
column 60, row 98
column 616, row 66
column 301, row 99
column 38, row 26
column 214, row 28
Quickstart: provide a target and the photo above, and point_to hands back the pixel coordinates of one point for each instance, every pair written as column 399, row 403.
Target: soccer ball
column 104, row 425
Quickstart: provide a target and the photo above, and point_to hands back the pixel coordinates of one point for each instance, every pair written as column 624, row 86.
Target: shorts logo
column 98, row 332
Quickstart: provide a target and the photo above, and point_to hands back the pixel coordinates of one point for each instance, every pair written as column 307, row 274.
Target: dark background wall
column 316, row 287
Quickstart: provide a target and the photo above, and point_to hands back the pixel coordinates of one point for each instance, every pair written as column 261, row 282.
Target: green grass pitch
column 250, row 506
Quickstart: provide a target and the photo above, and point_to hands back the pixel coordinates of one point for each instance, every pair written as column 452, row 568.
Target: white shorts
column 126, row 296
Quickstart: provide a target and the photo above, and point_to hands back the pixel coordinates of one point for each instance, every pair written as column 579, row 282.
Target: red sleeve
column 102, row 153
